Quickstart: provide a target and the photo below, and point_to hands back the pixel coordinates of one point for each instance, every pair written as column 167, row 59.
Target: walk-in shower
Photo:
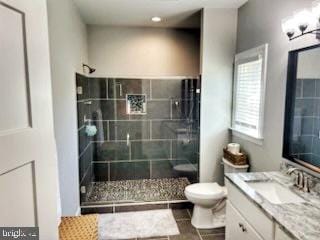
column 146, row 144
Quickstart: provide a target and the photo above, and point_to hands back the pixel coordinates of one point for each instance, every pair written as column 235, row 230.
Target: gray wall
column 68, row 49
column 259, row 22
column 142, row 51
column 218, row 42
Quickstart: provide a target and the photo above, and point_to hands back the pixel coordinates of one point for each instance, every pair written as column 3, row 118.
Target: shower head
column 91, row 70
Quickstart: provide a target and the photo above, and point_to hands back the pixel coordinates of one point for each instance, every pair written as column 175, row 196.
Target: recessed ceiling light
column 156, row 19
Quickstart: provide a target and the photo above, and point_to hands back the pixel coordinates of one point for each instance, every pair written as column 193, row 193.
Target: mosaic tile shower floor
column 145, row 190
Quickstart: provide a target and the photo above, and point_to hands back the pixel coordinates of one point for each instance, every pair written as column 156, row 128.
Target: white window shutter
column 249, row 87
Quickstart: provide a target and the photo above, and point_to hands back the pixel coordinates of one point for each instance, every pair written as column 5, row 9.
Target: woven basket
column 235, row 159
column 79, row 228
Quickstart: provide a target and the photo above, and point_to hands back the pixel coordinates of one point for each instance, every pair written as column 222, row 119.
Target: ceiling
column 175, row 13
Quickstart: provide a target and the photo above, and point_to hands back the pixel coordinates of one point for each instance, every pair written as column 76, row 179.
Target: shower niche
column 146, row 147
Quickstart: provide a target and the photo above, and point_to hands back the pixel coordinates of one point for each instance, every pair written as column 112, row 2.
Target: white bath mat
column 128, row 225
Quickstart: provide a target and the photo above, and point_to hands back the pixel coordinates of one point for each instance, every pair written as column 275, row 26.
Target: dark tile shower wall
column 306, row 125
column 86, row 148
column 163, row 143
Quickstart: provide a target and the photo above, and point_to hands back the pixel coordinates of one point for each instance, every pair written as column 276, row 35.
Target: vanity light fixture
column 156, row 19
column 303, row 22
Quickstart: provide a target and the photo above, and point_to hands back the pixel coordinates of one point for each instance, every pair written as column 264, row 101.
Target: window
column 249, row 91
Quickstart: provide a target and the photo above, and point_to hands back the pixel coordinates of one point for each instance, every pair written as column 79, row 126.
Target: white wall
column 68, row 49
column 143, row 51
column 259, row 22
column 219, row 28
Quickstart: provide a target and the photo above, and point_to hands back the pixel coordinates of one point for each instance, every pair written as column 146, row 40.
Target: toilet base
column 204, row 218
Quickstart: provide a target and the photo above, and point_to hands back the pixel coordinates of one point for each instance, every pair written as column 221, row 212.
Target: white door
column 28, row 166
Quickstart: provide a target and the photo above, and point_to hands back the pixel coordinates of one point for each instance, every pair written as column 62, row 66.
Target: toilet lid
column 206, row 190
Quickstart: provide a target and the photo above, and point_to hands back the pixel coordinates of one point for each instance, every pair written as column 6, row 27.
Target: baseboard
column 78, row 212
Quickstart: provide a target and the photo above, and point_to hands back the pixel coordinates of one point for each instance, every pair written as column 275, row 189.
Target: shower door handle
column 120, row 90
column 128, row 139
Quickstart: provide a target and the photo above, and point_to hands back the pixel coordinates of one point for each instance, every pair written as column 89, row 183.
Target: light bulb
column 289, row 26
column 156, row 19
column 303, row 19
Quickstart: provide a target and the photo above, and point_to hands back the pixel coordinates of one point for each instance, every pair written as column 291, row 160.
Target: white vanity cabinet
column 238, row 227
column 247, row 221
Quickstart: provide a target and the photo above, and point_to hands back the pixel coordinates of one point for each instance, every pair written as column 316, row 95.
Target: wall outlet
column 83, row 189
column 79, row 90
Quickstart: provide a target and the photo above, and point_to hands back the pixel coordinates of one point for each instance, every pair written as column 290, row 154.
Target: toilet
column 209, row 200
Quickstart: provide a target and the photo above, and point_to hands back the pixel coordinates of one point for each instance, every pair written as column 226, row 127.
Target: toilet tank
column 231, row 168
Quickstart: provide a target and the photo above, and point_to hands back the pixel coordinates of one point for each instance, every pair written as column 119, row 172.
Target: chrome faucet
column 301, row 181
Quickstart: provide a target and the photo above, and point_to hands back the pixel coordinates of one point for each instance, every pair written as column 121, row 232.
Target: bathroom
column 160, row 119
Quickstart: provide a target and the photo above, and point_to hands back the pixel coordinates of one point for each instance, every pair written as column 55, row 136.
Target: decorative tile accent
column 136, row 104
column 145, row 190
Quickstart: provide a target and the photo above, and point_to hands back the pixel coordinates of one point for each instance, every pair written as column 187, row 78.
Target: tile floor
column 145, row 190
column 188, row 232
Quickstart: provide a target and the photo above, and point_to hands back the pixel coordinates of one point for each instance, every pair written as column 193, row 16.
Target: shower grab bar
column 128, row 139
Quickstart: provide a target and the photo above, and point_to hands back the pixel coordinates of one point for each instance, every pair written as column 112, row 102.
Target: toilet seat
column 205, row 191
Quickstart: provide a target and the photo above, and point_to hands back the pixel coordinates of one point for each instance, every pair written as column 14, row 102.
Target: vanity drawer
column 262, row 224
column 237, row 227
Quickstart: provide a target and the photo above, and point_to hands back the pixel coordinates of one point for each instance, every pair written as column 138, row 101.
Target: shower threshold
column 151, row 192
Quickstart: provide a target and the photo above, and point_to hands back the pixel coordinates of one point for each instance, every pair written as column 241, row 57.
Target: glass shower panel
column 147, row 133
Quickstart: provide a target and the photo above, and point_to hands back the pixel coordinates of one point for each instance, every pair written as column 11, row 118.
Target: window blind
column 248, row 96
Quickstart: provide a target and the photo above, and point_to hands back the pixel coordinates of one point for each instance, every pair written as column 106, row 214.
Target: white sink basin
column 275, row 193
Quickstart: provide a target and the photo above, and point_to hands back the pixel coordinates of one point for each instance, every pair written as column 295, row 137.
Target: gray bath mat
column 128, row 225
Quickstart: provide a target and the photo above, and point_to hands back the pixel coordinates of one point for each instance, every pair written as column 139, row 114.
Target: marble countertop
column 300, row 220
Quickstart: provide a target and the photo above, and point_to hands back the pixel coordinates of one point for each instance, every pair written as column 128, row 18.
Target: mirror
column 302, row 114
